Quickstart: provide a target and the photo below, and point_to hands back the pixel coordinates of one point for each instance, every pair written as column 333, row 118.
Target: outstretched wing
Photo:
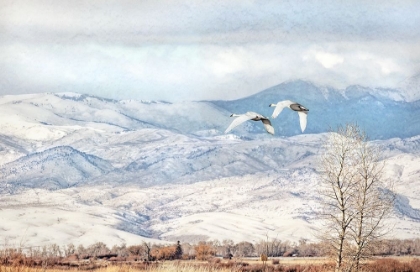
column 239, row 120
column 302, row 118
column 280, row 106
column 268, row 126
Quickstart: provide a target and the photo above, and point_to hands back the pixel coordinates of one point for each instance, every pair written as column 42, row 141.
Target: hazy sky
column 192, row 50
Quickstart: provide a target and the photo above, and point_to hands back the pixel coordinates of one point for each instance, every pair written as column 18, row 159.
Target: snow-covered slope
column 55, row 168
column 81, row 169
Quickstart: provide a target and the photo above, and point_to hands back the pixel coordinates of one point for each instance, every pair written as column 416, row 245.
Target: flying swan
column 250, row 116
column 301, row 110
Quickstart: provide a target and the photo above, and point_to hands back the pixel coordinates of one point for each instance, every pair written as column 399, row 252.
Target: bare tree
column 229, row 246
column 71, row 249
column 337, row 189
column 244, row 249
column 147, row 248
column 373, row 200
column 354, row 198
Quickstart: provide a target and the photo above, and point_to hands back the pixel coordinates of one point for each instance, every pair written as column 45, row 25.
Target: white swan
column 250, row 116
column 301, row 110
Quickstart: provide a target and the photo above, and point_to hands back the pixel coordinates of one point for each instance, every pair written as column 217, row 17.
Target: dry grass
column 165, row 267
column 291, row 260
column 177, row 266
column 394, row 265
column 406, row 264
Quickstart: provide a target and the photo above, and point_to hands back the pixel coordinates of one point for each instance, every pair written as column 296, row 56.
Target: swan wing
column 280, row 106
column 303, row 119
column 268, row 126
column 238, row 120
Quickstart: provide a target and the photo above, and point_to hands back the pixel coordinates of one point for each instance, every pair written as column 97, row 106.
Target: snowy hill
column 55, row 168
column 77, row 168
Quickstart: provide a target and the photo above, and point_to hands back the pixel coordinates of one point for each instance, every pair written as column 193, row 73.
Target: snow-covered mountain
column 375, row 110
column 81, row 169
column 411, row 86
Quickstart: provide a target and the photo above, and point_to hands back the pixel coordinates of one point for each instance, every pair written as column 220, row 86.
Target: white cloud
column 388, row 66
column 328, row 60
column 194, row 50
column 197, row 72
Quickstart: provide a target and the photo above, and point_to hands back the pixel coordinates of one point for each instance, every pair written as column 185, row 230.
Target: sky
column 197, row 50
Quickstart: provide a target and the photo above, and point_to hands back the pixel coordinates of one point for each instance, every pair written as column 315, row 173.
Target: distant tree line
column 203, row 250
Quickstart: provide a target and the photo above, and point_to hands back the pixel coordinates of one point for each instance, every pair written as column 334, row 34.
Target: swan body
column 250, row 116
column 301, row 110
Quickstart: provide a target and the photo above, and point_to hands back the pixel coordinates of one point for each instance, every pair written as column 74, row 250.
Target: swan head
column 303, row 108
column 272, row 105
column 298, row 107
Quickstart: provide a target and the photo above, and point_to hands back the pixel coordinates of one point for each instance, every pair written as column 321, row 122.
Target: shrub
column 164, row 253
column 264, row 257
column 135, row 250
column 204, row 252
column 392, row 265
